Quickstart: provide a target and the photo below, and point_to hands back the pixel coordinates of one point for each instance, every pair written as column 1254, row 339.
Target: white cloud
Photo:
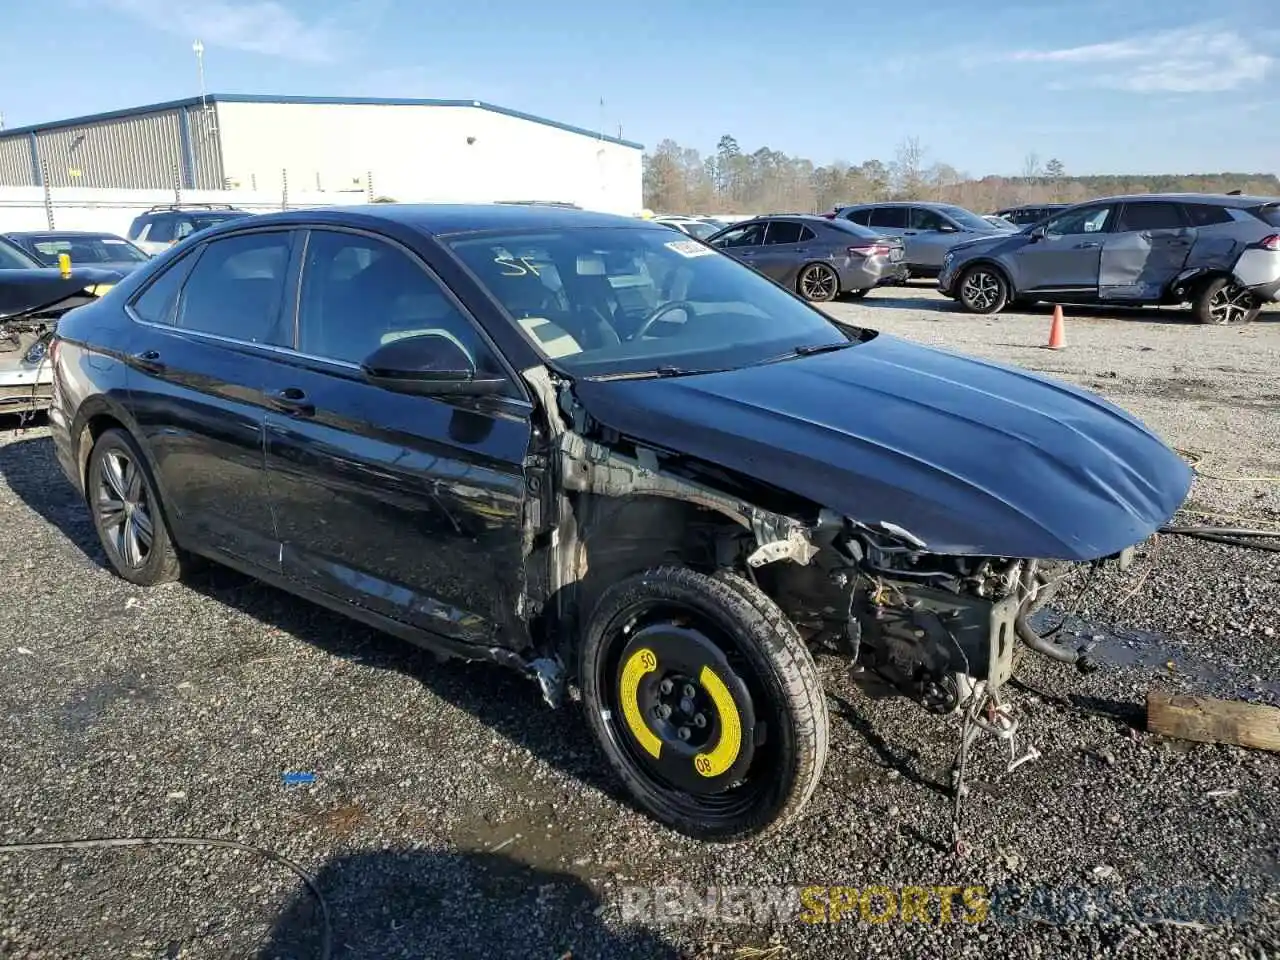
column 1200, row 59
column 258, row 26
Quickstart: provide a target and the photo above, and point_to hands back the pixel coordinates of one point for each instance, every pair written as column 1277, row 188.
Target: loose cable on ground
column 98, row 843
column 1195, row 459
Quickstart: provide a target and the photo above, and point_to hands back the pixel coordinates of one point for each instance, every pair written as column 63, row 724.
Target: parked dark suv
column 595, row 450
column 161, row 227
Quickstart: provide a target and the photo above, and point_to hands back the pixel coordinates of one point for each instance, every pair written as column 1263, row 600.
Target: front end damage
column 934, row 627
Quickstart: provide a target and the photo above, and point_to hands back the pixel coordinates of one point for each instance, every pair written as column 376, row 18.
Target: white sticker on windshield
column 689, row 248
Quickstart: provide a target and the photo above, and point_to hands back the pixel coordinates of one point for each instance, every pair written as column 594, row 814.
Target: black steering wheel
column 660, row 312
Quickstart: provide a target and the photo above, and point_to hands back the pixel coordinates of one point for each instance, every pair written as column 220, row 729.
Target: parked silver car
column 929, row 230
column 1220, row 253
column 818, row 258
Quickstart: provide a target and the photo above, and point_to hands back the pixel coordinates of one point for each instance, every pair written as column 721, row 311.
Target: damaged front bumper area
column 26, row 376
column 932, row 627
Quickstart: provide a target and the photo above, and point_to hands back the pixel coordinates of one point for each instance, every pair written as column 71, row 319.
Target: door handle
column 1087, row 245
column 149, row 360
column 292, row 401
column 909, row 233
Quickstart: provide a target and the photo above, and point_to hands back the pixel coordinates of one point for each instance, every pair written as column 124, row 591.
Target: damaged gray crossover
column 607, row 456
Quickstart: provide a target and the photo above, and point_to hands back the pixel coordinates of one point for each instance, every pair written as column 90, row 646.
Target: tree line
column 681, row 180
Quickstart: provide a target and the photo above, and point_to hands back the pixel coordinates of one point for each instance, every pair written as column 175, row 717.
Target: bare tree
column 908, row 169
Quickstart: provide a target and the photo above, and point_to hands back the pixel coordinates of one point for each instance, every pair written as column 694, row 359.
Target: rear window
column 859, row 231
column 1205, row 214
column 1269, row 214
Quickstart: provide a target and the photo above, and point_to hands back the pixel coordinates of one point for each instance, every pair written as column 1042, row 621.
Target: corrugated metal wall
column 142, row 151
column 15, row 161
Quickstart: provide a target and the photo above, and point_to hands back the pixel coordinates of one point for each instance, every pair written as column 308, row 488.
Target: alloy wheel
column 980, row 290
column 124, row 511
column 1231, row 304
column 819, row 282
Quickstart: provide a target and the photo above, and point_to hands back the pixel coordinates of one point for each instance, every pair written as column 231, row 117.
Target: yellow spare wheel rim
column 686, row 714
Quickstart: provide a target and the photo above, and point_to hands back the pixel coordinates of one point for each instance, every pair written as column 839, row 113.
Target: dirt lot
column 453, row 815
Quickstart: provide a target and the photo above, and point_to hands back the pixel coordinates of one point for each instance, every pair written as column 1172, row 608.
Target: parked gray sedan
column 818, row 258
column 1220, row 253
column 929, row 230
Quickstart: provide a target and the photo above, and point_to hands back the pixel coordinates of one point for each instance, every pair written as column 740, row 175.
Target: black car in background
column 1026, row 215
column 597, row 451
column 105, row 251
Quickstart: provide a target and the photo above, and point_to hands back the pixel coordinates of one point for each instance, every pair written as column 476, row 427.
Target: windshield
column 104, row 249
column 13, row 257
column 701, row 230
column 966, row 219
column 625, row 300
column 848, row 226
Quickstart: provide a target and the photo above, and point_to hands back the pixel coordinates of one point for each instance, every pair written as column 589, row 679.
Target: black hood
column 972, row 457
column 32, row 291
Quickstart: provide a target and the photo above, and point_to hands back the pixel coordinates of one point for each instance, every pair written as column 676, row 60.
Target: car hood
column 972, row 457
column 986, row 241
column 30, row 291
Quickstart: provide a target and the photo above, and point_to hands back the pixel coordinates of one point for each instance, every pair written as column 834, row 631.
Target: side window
column 236, row 288
column 751, row 235
column 862, row 216
column 893, row 217
column 161, row 230
column 158, row 300
column 806, row 235
column 783, row 231
column 922, row 219
column 183, row 229
column 1150, row 215
column 359, row 293
column 1086, row 220
column 1205, row 214
column 138, row 229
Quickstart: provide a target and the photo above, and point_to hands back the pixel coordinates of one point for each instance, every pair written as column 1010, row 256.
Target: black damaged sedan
column 602, row 454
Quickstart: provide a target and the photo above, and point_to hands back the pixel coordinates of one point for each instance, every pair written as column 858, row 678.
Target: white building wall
column 425, row 153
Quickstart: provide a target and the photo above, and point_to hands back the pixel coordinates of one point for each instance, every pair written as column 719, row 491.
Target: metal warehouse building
column 462, row 150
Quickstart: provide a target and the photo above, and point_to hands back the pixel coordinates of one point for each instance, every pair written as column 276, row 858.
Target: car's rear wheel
column 983, row 289
column 706, row 702
column 818, row 282
column 1222, row 301
column 127, row 514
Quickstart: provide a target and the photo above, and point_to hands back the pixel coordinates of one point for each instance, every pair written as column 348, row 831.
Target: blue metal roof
column 355, row 101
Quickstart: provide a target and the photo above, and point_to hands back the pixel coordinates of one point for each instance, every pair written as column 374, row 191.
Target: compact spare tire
column 705, row 700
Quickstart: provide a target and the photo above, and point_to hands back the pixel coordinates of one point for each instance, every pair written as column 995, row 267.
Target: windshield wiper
column 809, row 349
column 653, row 374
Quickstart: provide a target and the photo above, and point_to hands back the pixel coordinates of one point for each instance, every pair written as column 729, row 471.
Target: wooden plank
column 1207, row 720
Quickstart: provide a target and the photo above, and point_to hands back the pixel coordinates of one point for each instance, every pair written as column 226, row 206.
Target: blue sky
column 1104, row 85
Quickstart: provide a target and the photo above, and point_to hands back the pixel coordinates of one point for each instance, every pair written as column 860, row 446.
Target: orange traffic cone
column 1057, row 335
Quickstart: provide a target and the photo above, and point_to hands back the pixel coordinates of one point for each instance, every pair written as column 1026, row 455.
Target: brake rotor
column 690, row 715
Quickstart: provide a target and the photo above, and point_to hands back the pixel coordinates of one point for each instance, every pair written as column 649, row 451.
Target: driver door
column 930, row 235
column 743, row 242
column 406, row 505
column 1068, row 257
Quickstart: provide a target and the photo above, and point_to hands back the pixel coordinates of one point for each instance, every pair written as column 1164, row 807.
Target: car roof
column 444, row 219
column 930, row 204
column 50, row 234
column 1222, row 199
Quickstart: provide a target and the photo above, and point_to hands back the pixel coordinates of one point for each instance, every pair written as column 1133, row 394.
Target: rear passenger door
column 409, row 506
column 1146, row 250
column 785, row 247
column 199, row 362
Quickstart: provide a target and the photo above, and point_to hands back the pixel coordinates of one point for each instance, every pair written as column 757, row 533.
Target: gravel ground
column 453, row 815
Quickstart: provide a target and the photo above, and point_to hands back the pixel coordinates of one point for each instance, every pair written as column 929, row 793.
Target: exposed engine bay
column 26, row 378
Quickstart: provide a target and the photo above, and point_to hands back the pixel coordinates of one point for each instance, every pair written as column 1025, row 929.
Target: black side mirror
column 430, row 364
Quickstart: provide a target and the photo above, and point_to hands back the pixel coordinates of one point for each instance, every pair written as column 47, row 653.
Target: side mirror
column 1037, row 233
column 948, row 228
column 429, row 364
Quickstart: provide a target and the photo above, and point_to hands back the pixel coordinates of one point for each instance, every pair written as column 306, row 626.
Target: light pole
column 198, row 47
